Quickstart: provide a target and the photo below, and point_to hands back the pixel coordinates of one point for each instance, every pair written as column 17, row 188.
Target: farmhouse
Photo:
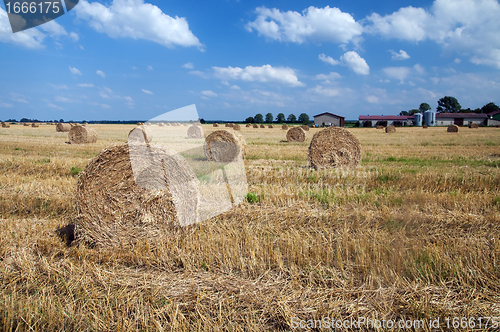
column 460, row 119
column 329, row 119
column 385, row 120
column 493, row 119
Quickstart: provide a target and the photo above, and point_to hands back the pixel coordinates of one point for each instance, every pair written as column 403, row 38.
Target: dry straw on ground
column 305, row 128
column 82, row 135
column 284, row 127
column 255, row 126
column 452, row 129
column 334, row 147
column 216, row 124
column 115, row 207
column 236, row 127
column 195, row 131
column 270, row 126
column 35, row 125
column 390, row 129
column 473, row 125
column 140, row 134
column 296, row 134
column 224, row 146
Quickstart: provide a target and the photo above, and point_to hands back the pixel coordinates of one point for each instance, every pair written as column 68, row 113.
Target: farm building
column 329, row 119
column 493, row 119
column 385, row 120
column 460, row 119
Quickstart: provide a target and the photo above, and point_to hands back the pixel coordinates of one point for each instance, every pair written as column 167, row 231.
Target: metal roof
column 384, row 117
column 327, row 113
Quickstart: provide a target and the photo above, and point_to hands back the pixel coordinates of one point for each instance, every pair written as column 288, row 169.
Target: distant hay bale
column 236, row 127
column 82, row 135
column 305, row 128
column 186, row 124
column 452, row 129
column 390, row 129
column 231, row 125
column 296, row 134
column 148, row 123
column 262, row 126
column 270, row 126
column 5, row 125
column 114, row 207
column 216, row 124
column 140, row 123
column 473, row 125
column 85, row 123
column 52, row 123
column 224, row 146
column 425, row 126
column 227, row 125
column 140, row 133
column 334, row 147
column 255, row 126
column 195, row 132
column 284, row 127
column 380, row 127
column 27, row 124
column 161, row 124
column 35, row 125
column 248, row 125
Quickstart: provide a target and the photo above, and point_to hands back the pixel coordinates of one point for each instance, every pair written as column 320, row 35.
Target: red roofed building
column 461, row 119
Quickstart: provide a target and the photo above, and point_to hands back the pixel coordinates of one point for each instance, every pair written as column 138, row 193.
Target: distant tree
column 292, row 118
column 448, row 104
column 490, row 107
column 280, row 118
column 424, row 107
column 269, row 118
column 404, row 113
column 259, row 118
column 61, row 120
column 410, row 112
column 304, row 118
column 202, row 121
column 25, row 120
column 250, row 119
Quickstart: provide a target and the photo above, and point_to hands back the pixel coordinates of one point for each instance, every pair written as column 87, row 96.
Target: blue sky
column 133, row 59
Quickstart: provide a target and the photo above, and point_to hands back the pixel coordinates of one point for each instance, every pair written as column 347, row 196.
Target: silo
column 417, row 119
column 430, row 118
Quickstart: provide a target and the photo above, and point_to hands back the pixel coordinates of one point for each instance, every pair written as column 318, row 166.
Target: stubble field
column 412, row 234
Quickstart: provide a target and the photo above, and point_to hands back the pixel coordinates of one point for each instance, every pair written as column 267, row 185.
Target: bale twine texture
column 334, row 147
column 296, row 134
column 452, row 129
column 224, row 146
column 82, row 135
column 195, row 131
column 390, row 129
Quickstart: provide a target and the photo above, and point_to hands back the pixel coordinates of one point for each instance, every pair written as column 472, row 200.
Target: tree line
column 280, row 118
column 450, row 104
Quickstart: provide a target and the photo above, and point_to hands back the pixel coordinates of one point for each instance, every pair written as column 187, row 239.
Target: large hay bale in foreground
column 296, row 134
column 224, row 146
column 305, row 128
column 236, row 127
column 255, row 126
column 63, row 127
column 452, row 129
column 390, row 129
column 115, row 207
column 35, row 125
column 284, row 127
column 195, row 132
column 140, row 134
column 334, row 147
column 473, row 126
column 216, row 124
column 5, row 125
column 82, row 135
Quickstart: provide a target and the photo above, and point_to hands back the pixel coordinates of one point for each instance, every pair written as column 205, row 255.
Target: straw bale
column 236, row 127
column 140, row 133
column 5, row 125
column 35, row 125
column 185, row 124
column 425, row 126
column 296, row 134
column 473, row 125
column 452, row 129
column 114, row 207
column 27, row 124
column 284, row 127
column 195, row 131
column 140, row 123
column 270, row 126
column 224, row 146
column 334, row 147
column 161, row 124
column 248, row 125
column 390, row 129
column 216, row 124
column 227, row 125
column 262, row 126
column 380, row 127
column 255, row 126
column 82, row 135
column 305, row 128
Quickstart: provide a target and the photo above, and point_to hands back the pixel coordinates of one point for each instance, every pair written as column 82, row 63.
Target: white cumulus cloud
column 85, row 85
column 137, row 20
column 209, row 93
column 74, row 71
column 266, row 73
column 399, row 73
column 147, row 92
column 188, row 65
column 401, row 55
column 318, row 89
column 356, row 63
column 101, row 73
column 328, row 59
column 31, row 38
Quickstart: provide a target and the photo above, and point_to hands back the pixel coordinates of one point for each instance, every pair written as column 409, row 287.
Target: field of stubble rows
column 412, row 233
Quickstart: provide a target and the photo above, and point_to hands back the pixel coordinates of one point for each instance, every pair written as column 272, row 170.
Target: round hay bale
column 148, row 123
column 248, row 125
column 452, row 129
column 161, row 124
column 140, row 123
column 224, row 146
column 262, row 126
column 115, row 207
column 284, row 127
column 186, row 124
column 425, row 126
column 216, row 124
column 82, row 135
column 85, row 123
column 305, row 128
column 255, row 126
column 5, row 125
column 390, row 129
column 63, row 127
column 334, row 147
column 195, row 132
column 52, row 123
column 140, row 134
column 27, row 124
column 35, row 125
column 270, row 126
column 296, row 134
column 380, row 127
column 236, row 127
column 473, row 126
column 231, row 125
column 227, row 125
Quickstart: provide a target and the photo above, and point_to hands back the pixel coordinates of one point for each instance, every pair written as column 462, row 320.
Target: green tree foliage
column 424, row 107
column 250, row 119
column 410, row 112
column 304, row 118
column 292, row 118
column 448, row 104
column 490, row 107
column 269, row 117
column 280, row 118
column 259, row 118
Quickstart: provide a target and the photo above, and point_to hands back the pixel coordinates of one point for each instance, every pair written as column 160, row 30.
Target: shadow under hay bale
column 284, row 127
column 334, row 147
column 452, row 129
column 82, row 135
column 390, row 129
column 67, row 233
column 473, row 126
column 140, row 134
column 224, row 146
column 63, row 127
column 296, row 134
column 305, row 128
column 115, row 207
column 195, row 131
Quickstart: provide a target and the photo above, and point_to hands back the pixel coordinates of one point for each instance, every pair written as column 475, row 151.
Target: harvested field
column 411, row 233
